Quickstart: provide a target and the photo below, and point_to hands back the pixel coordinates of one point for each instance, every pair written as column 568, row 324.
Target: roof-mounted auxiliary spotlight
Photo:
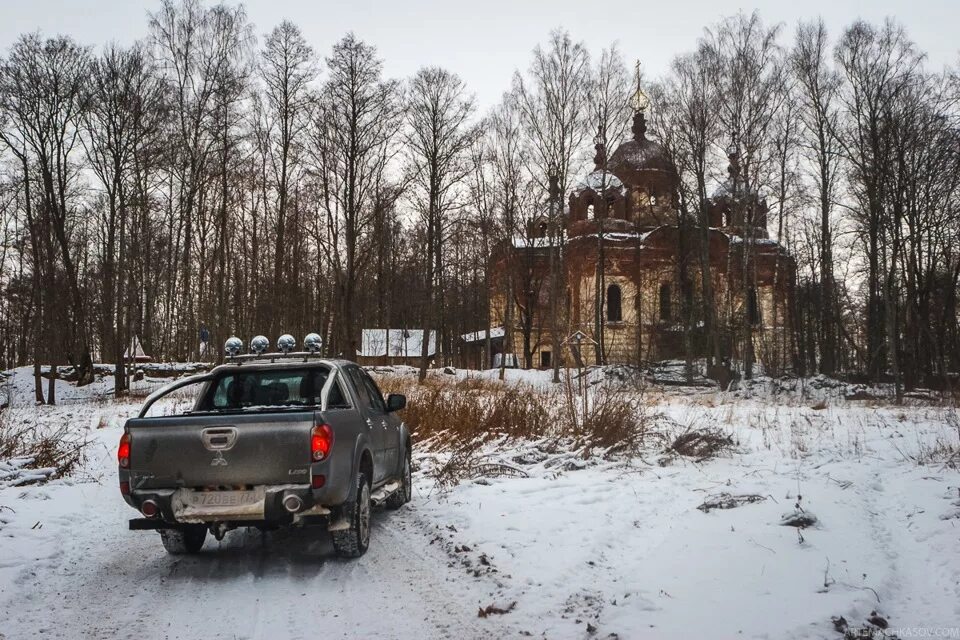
column 286, row 343
column 312, row 343
column 233, row 346
column 259, row 344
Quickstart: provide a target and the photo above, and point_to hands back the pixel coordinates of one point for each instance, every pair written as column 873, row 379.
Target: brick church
column 630, row 286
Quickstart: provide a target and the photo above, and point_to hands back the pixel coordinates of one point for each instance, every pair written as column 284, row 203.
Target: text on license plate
column 221, row 498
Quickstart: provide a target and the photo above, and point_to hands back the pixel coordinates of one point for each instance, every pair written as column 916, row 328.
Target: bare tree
column 198, row 49
column 553, row 101
column 752, row 77
column 508, row 160
column 287, row 68
column 878, row 64
column 818, row 93
column 125, row 115
column 43, row 96
column 610, row 105
column 688, row 117
column 357, row 120
column 438, row 139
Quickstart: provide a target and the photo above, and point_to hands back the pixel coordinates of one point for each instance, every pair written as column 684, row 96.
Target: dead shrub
column 701, row 444
column 493, row 609
column 726, row 500
column 59, row 449
column 606, row 416
column 459, row 466
column 615, row 422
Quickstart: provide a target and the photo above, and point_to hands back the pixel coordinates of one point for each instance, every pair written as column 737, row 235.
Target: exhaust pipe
column 292, row 503
column 150, row 508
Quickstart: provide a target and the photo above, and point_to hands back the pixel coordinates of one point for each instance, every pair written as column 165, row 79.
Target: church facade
column 631, row 286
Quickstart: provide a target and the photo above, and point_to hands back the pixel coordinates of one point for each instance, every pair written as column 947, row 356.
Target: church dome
column 637, row 160
column 641, row 155
column 733, row 188
column 724, row 190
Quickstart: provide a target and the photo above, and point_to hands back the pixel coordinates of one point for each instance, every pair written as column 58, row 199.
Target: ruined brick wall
column 646, row 269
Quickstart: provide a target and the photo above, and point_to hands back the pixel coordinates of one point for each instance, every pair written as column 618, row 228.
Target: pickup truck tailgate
column 214, row 450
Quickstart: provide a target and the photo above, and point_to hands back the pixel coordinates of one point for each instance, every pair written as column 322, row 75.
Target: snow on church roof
column 598, row 180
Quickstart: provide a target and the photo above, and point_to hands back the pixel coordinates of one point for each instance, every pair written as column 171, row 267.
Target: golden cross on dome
column 639, row 100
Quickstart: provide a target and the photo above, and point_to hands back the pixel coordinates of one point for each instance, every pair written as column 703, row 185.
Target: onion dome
column 733, row 188
column 600, row 180
column 640, row 160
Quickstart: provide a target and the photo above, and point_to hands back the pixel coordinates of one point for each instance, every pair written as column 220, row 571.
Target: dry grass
column 459, row 417
column 446, row 413
column 945, row 454
column 945, row 449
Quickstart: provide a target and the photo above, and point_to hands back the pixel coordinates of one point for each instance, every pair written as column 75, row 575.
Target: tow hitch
column 219, row 529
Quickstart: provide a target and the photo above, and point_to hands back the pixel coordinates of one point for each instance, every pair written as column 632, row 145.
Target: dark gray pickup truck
column 271, row 441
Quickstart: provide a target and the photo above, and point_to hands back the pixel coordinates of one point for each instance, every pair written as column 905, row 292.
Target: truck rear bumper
column 263, row 505
column 156, row 524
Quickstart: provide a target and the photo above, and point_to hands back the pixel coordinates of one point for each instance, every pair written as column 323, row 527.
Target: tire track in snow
column 103, row 581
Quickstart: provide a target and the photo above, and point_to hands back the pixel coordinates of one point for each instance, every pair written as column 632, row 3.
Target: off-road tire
column 354, row 541
column 189, row 539
column 404, row 492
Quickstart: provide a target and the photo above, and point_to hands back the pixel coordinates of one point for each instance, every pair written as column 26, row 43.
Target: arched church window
column 614, row 304
column 666, row 312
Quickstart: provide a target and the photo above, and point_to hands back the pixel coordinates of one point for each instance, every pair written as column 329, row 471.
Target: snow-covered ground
column 575, row 549
column 17, row 385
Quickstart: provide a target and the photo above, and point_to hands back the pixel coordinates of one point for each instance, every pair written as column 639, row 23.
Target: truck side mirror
column 396, row 401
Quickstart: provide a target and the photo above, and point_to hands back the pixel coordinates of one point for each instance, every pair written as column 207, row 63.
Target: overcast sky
column 485, row 41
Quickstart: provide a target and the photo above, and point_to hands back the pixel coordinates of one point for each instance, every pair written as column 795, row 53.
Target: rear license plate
column 222, row 498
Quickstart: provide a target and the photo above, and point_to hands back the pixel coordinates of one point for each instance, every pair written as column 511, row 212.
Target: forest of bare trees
column 213, row 176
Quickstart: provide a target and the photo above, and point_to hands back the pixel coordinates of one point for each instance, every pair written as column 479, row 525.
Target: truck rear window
column 267, row 388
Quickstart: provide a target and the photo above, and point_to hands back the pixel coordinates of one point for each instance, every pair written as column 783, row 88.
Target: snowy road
column 586, row 549
column 84, row 575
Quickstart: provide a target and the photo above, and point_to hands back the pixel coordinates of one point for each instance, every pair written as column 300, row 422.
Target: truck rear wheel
column 189, row 539
column 352, row 542
column 404, row 492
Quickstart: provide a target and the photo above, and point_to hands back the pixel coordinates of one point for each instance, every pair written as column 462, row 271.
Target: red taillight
column 123, row 452
column 124, row 488
column 318, row 481
column 321, row 441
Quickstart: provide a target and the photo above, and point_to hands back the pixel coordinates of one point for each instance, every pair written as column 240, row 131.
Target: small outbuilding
column 473, row 349
column 135, row 352
column 384, row 347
